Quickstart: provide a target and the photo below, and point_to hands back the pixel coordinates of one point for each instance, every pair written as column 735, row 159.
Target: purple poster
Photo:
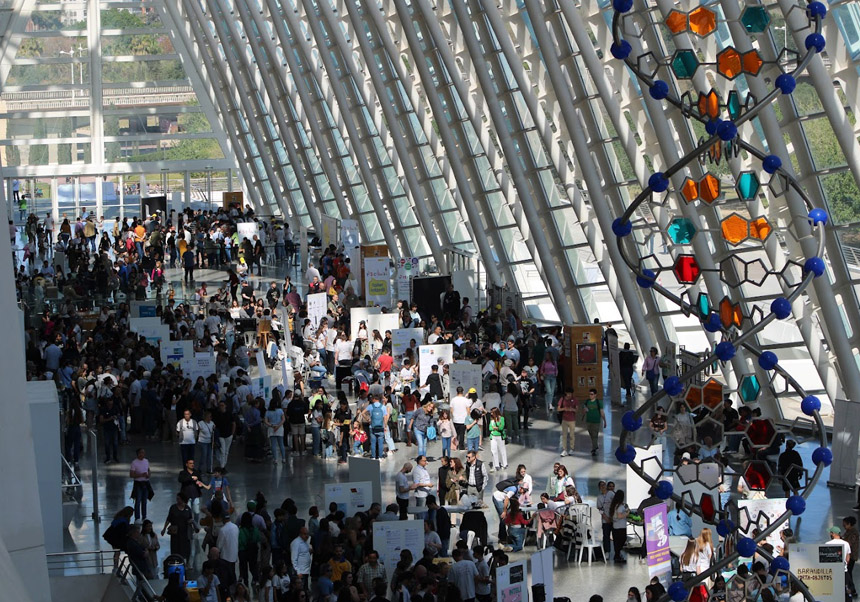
column 657, row 539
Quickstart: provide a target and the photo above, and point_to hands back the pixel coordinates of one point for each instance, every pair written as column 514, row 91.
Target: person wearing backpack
column 377, row 429
column 249, row 548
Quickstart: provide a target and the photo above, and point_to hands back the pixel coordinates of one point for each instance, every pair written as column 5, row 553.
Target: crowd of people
column 109, row 377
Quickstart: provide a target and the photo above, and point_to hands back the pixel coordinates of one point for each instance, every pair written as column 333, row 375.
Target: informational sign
column 147, row 327
column 349, row 234
column 390, row 537
column 402, row 337
column 407, row 267
column 466, row 284
column 201, row 364
column 143, row 309
column 512, row 582
column 349, row 497
column 582, row 358
column 233, row 199
column 249, row 230
column 367, row 469
column 430, row 355
column 761, row 514
column 464, row 374
column 262, row 387
column 330, row 230
column 317, row 305
column 366, row 251
column 542, row 568
column 382, row 322
column 614, row 367
column 657, row 539
column 176, row 352
column 361, row 314
column 377, row 281
column 262, row 369
column 821, row 568
column 287, row 373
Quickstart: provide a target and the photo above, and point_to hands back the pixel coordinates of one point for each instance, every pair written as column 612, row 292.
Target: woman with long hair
column 690, row 559
column 705, row 551
column 454, row 481
column 618, row 511
column 516, row 524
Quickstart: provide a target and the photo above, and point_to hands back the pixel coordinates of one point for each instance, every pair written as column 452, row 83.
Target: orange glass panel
column 735, row 229
column 729, row 63
column 737, row 315
column 694, row 397
column 713, row 104
column 726, row 311
column 690, row 190
column 676, row 21
column 703, row 21
column 712, row 394
column 709, row 188
column 752, row 62
column 760, row 228
column 715, row 153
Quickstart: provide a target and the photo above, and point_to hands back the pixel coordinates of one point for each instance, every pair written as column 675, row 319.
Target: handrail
column 101, row 562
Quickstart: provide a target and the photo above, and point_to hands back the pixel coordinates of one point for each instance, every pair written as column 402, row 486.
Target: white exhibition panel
column 349, row 497
column 430, row 355
column 390, row 537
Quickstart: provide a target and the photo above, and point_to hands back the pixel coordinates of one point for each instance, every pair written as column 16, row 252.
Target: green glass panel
column 685, row 64
column 681, row 231
column 755, row 19
column 704, row 305
column 750, row 388
column 734, row 104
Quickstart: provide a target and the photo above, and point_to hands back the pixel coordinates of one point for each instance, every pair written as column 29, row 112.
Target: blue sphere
column 781, row 307
column 810, row 405
column 818, row 216
column 771, row 163
column 816, row 10
column 622, row 6
column 625, row 455
column 673, row 386
column 815, row 41
column 822, row 455
column 659, row 90
column 725, row 351
column 796, row 504
column 713, row 323
column 658, row 182
column 678, row 592
column 630, row 422
column 712, row 126
column 725, row 527
column 746, row 547
column 621, row 50
column 646, row 280
column 727, row 131
column 621, row 229
column 814, row 265
column 664, row 490
column 768, row 360
column 786, row 83
column 779, row 564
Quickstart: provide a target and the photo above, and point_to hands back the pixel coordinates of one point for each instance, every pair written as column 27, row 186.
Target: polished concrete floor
column 301, row 478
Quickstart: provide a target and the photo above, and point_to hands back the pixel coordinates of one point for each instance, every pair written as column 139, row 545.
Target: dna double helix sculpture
column 694, row 66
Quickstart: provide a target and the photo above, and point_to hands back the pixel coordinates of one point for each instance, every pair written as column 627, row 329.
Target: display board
column 143, row 309
column 231, row 199
column 147, row 327
column 657, row 539
column 401, row 337
column 463, row 373
column 317, row 304
column 366, row 251
column 330, row 227
column 349, row 497
column 407, row 268
column 367, row 469
column 377, row 281
column 382, row 322
column 390, row 537
column 512, row 582
column 350, row 239
column 249, row 230
column 151, row 205
column 428, row 355
column 176, row 352
column 201, row 364
column 359, row 314
column 761, row 514
column 821, row 568
column 581, row 361
column 466, row 284
column 261, row 386
column 542, row 568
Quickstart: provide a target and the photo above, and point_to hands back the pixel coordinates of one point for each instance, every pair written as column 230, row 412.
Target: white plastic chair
column 588, row 542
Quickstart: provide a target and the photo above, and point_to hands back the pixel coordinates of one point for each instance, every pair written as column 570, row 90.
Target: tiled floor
column 301, row 478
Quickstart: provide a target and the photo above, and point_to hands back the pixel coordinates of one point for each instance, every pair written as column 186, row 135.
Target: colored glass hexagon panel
column 687, row 269
column 707, row 506
column 752, row 62
column 676, row 21
column 685, row 64
column 709, row 104
column 735, row 229
column 712, row 394
column 703, row 21
column 709, row 188
column 730, row 313
column 733, row 104
column 755, row 19
column 757, row 475
column 748, row 185
column 681, row 231
column 693, row 397
column 761, row 432
column 703, row 305
column 730, row 63
column 750, row 388
column 760, row 228
column 690, row 190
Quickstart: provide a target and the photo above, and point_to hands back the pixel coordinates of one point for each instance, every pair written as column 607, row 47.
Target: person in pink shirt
column 141, row 491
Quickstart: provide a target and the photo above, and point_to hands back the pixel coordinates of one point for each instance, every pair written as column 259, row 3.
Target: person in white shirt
column 402, row 489
column 205, row 437
column 49, row 228
column 300, row 555
column 187, row 429
column 459, row 410
column 228, row 543
column 464, row 575
column 208, row 584
column 421, row 481
column 836, row 540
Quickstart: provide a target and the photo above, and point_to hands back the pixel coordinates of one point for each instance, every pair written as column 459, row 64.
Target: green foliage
column 193, row 123
column 39, row 152
column 13, row 156
column 64, row 151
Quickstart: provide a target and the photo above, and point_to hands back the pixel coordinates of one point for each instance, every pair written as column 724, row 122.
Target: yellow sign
column 377, row 287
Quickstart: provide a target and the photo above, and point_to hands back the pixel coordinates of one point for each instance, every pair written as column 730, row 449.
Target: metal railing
column 101, row 562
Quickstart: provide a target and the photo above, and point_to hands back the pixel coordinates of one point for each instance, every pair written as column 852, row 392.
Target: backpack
column 431, row 433
column 505, row 484
column 377, row 417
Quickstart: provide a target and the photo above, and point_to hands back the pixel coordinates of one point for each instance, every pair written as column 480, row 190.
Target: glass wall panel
column 142, row 71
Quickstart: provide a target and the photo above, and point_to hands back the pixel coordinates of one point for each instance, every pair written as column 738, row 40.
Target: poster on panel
column 377, row 281
column 391, row 537
column 463, row 373
column 401, row 339
column 317, row 304
column 512, row 582
column 349, row 497
column 821, row 568
column 430, row 355
column 657, row 539
column 360, row 314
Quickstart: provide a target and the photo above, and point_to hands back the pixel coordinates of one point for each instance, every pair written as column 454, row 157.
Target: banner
column 821, row 568
column 349, row 497
column 249, row 230
column 390, row 537
column 202, row 364
column 407, row 267
column 463, row 373
column 511, row 582
column 176, row 352
column 377, row 281
column 143, row 309
column 402, row 337
column 317, row 306
column 330, row 230
column 657, row 539
column 429, row 355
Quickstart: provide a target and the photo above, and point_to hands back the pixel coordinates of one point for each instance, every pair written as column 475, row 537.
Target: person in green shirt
column 594, row 416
